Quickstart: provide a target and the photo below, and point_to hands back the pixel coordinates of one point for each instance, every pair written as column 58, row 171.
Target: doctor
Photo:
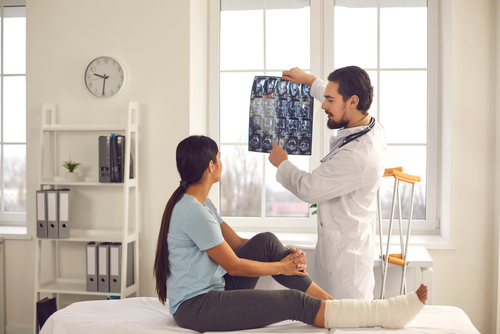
column 345, row 185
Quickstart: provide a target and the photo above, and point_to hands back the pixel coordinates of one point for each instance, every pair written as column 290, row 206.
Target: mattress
column 148, row 315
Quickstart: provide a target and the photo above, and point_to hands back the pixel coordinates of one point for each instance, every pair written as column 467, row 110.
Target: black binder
column 44, row 309
column 104, row 159
column 117, row 157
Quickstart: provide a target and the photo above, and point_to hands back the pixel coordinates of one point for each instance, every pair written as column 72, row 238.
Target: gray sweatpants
column 240, row 306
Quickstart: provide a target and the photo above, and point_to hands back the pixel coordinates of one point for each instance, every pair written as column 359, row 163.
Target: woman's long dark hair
column 193, row 156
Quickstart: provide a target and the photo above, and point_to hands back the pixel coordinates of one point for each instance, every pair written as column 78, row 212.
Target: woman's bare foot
column 422, row 293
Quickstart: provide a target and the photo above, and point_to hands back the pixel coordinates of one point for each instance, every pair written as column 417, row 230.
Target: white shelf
column 94, row 235
column 49, row 138
column 85, row 127
column 74, row 287
column 83, row 183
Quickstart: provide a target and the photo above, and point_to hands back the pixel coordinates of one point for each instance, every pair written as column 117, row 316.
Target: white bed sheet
column 148, row 315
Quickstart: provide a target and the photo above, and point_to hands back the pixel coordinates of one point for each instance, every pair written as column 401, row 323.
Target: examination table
column 148, row 315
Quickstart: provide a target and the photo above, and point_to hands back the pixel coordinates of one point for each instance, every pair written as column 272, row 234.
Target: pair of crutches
column 397, row 259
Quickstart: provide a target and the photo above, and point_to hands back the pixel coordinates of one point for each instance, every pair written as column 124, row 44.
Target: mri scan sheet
column 281, row 112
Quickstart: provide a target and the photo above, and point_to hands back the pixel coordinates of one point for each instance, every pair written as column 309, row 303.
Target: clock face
column 104, row 77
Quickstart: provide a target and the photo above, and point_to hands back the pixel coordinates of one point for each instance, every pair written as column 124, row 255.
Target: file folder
column 44, row 309
column 103, row 267
column 63, row 213
column 117, row 151
column 104, row 159
column 130, row 263
column 92, row 267
column 115, row 267
column 41, row 213
column 52, row 224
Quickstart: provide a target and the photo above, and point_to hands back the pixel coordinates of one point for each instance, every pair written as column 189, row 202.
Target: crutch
column 389, row 172
column 398, row 259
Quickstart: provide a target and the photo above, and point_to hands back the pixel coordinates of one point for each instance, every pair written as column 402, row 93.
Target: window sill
column 15, row 233
column 309, row 239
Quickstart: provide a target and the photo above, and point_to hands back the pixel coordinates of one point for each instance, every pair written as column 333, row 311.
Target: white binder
column 63, row 213
column 115, row 267
column 41, row 213
column 91, row 267
column 52, row 226
column 103, row 267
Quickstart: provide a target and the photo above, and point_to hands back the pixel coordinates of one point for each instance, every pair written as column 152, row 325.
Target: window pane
column 14, row 40
column 242, row 39
column 279, row 201
column 241, row 183
column 14, row 109
column 287, row 45
column 403, row 35
column 14, row 169
column 413, row 160
column 235, row 90
column 373, row 108
column 403, row 106
column 355, row 33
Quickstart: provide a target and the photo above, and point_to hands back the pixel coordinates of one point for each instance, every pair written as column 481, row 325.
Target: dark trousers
column 240, row 306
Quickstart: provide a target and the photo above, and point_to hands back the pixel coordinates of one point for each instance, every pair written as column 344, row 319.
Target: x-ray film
column 281, row 112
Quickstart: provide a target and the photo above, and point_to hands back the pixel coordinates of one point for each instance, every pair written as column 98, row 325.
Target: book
column 44, row 309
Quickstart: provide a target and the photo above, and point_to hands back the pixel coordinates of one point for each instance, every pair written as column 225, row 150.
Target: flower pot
column 71, row 177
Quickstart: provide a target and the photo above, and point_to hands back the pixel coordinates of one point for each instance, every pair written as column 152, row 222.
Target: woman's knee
column 267, row 237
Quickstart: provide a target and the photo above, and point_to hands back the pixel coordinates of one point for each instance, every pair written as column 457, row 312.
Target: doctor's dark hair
column 353, row 80
column 193, row 155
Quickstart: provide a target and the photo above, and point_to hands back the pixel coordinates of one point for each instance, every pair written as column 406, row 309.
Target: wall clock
column 105, row 77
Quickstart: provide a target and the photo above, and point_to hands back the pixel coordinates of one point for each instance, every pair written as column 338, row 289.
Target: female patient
column 210, row 273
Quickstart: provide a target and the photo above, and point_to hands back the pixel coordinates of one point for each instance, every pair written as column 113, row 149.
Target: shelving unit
column 129, row 227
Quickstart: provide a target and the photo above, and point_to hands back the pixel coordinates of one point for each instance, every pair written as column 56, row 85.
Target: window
column 394, row 41
column 13, row 115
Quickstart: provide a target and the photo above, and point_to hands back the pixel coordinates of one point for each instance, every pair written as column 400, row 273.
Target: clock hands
column 104, row 77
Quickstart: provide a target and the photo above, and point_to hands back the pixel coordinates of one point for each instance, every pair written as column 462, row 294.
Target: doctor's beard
column 332, row 125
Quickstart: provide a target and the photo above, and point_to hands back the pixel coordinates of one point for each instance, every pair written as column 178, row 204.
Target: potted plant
column 71, row 166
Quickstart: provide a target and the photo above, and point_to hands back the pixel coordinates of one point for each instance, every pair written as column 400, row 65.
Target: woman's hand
column 298, row 256
column 291, row 268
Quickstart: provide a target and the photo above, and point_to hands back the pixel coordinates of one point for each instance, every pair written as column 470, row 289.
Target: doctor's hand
column 278, row 155
column 290, row 268
column 298, row 76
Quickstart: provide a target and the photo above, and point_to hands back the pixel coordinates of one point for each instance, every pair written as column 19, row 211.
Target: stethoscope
column 349, row 139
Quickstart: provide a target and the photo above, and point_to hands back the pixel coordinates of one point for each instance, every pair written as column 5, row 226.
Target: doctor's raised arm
column 345, row 184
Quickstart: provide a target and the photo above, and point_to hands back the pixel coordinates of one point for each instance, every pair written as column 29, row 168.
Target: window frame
column 322, row 45
column 8, row 218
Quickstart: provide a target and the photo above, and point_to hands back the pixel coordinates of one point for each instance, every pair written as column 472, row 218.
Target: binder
column 103, row 267
column 117, row 157
column 41, row 213
column 130, row 263
column 115, row 267
column 63, row 213
column 44, row 309
column 104, row 159
column 91, row 267
column 52, row 224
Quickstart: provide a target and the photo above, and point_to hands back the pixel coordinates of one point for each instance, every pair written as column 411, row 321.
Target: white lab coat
column 345, row 189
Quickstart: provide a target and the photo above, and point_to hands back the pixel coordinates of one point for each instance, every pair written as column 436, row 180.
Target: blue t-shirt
column 193, row 229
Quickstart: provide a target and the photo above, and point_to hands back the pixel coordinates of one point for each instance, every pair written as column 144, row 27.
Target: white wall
column 464, row 277
column 155, row 40
column 152, row 39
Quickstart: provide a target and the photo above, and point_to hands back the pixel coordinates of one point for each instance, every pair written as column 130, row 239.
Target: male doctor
column 345, row 185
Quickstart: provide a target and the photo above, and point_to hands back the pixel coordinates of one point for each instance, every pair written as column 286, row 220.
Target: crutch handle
column 406, row 177
column 390, row 171
column 396, row 256
column 397, row 261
